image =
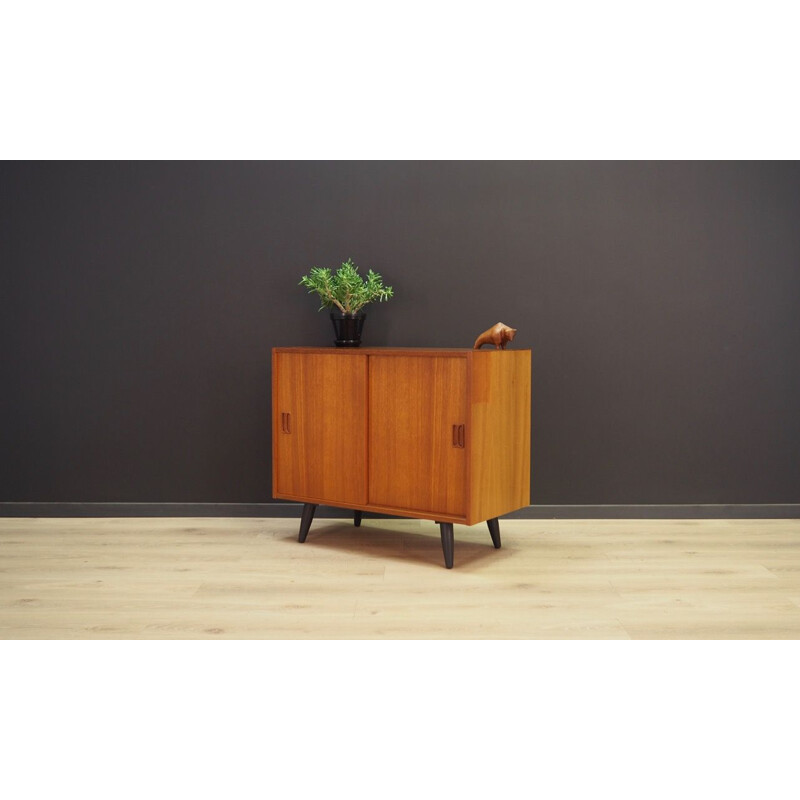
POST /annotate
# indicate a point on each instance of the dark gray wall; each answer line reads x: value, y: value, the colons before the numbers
x: 661, y: 300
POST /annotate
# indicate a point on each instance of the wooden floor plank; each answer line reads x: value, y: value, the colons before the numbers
x: 134, y: 578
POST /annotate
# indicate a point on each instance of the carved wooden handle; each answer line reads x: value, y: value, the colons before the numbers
x: 286, y: 422
x: 458, y: 435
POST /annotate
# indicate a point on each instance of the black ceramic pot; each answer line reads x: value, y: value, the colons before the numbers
x: 348, y: 328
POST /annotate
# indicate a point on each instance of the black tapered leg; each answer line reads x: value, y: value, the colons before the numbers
x: 494, y: 530
x: 305, y: 520
x: 447, y: 543
x: 357, y: 518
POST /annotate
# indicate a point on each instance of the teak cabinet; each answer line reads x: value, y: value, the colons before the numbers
x: 430, y: 433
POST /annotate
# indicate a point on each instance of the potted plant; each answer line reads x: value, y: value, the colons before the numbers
x: 346, y: 293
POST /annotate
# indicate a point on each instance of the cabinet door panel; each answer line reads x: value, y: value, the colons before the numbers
x: 321, y: 446
x: 417, y: 449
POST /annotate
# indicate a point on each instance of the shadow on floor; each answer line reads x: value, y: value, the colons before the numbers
x: 388, y: 539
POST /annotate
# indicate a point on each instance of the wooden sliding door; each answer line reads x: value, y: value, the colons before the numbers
x: 417, y: 432
x: 320, y: 427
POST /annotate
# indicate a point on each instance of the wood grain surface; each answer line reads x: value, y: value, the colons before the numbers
x: 414, y: 461
x: 448, y: 430
x: 500, y: 421
x: 319, y: 451
x: 250, y: 579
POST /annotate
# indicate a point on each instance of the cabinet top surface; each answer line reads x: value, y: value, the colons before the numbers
x: 403, y: 351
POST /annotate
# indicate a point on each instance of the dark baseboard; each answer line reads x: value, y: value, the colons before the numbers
x: 673, y: 511
x: 738, y: 511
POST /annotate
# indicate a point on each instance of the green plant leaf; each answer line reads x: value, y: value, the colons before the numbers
x: 345, y: 289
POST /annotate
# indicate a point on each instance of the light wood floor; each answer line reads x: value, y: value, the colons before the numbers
x: 251, y: 579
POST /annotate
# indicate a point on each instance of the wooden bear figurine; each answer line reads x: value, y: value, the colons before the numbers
x: 498, y: 335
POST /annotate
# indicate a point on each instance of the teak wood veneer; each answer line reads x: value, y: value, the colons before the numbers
x: 438, y: 434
